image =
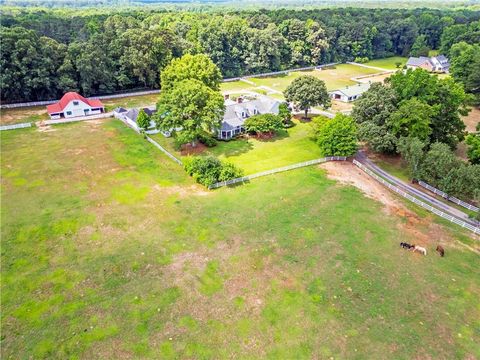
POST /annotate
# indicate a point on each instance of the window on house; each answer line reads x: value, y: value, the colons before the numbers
x: 255, y: 111
x: 75, y: 103
x: 69, y: 113
x: 244, y: 114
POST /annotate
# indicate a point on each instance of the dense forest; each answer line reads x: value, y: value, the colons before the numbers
x: 47, y: 52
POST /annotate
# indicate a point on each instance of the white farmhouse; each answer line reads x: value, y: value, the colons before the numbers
x: 236, y: 112
x: 73, y: 105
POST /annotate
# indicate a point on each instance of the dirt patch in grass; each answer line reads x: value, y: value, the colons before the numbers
x: 347, y: 173
x: 188, y: 149
x: 472, y: 119
x: 183, y: 191
x: 302, y: 118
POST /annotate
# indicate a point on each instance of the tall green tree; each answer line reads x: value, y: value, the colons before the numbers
x: 473, y: 146
x: 376, y: 105
x: 413, y: 118
x: 337, y: 136
x: 143, y: 120
x: 420, y: 46
x: 465, y: 67
x: 307, y: 91
x: 198, y: 67
x: 437, y: 164
x: 445, y: 95
x: 192, y: 106
x: 411, y: 149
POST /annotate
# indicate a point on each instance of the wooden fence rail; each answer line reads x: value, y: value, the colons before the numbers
x: 15, y: 126
x: 430, y: 208
x: 448, y: 197
x: 277, y: 170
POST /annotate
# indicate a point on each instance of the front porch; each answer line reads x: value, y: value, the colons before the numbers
x: 230, y: 134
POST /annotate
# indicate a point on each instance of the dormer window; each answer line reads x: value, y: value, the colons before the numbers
x: 75, y: 103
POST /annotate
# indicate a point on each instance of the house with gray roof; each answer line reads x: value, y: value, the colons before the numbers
x: 349, y: 93
x: 433, y: 64
x: 130, y: 116
x: 236, y: 112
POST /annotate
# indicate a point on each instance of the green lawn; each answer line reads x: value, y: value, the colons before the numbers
x: 388, y: 63
x: 334, y: 78
x: 110, y: 251
x: 234, y: 86
x: 288, y: 147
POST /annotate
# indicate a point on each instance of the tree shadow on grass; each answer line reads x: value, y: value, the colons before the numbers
x: 279, y: 135
x: 234, y: 147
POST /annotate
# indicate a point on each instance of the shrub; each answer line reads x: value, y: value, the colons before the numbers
x: 207, y: 139
x: 229, y: 171
x: 286, y: 115
x: 361, y: 60
x: 209, y: 170
x: 337, y: 136
x: 264, y: 123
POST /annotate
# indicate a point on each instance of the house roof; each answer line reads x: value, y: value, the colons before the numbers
x: 233, y: 110
x: 69, y: 96
x: 353, y: 90
x: 417, y: 61
x: 132, y: 114
x: 120, y: 110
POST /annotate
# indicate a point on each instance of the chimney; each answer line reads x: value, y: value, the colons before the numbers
x: 239, y: 100
x: 226, y: 97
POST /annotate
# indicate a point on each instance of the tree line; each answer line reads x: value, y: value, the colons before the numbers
x: 46, y: 52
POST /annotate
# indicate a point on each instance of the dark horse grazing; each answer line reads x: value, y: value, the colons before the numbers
x: 440, y: 250
x: 406, y: 245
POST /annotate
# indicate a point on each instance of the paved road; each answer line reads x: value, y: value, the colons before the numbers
x: 362, y: 158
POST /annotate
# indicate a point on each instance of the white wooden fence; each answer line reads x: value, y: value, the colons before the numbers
x: 48, y: 102
x: 450, y: 218
x: 162, y: 149
x: 277, y: 170
x: 15, y: 126
x: 448, y: 197
x: 75, y: 119
x: 273, y: 73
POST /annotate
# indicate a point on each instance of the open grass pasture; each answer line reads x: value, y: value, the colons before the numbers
x: 110, y: 251
x: 334, y: 78
x: 388, y: 63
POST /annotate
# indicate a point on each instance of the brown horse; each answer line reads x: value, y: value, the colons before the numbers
x: 440, y: 250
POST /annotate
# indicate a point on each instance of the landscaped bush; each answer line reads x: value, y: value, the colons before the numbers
x: 209, y: 170
x: 264, y: 124
x: 337, y: 136
x: 361, y: 60
x: 207, y: 139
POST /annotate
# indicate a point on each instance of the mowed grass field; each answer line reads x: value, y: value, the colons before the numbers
x: 388, y: 63
x: 334, y: 78
x: 288, y: 147
x: 110, y: 251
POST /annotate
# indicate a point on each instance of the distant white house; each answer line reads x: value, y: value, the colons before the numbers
x: 73, y: 105
x: 433, y: 64
x: 236, y: 112
x: 349, y: 93
x: 130, y: 117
